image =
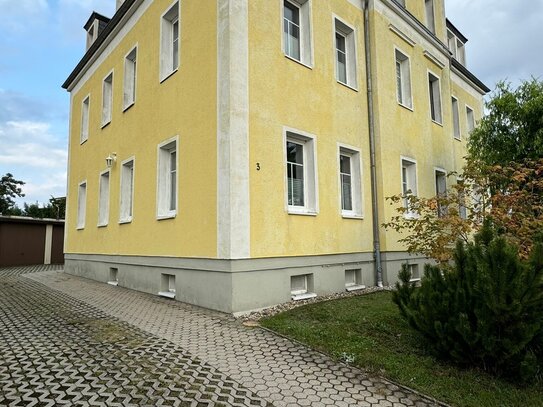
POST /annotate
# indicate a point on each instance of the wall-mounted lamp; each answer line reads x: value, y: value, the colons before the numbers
x: 110, y: 160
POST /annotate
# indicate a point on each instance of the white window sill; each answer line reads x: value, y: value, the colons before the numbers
x: 354, y: 287
x: 125, y: 108
x: 351, y: 215
x: 305, y: 296
x: 414, y: 280
x: 83, y: 141
x: 457, y: 138
x: 114, y: 283
x: 167, y: 294
x: 167, y: 216
x: 298, y: 61
x: 438, y: 123
x: 80, y: 227
x: 106, y: 123
x: 347, y: 85
x: 166, y: 76
x: 293, y: 210
x: 124, y: 221
x: 102, y: 225
x: 406, y: 107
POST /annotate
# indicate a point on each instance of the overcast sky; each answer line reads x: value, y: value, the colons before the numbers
x: 41, y: 41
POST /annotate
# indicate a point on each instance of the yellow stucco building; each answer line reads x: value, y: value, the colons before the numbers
x: 235, y: 154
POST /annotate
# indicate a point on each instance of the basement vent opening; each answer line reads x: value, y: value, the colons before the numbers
x: 167, y: 286
x: 113, y: 276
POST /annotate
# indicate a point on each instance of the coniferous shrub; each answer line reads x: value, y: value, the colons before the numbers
x: 483, y: 310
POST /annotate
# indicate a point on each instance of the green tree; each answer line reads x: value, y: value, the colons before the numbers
x: 512, y: 129
x: 10, y: 188
x: 484, y: 310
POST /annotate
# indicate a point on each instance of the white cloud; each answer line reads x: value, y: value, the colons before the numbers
x: 23, y: 15
x: 34, y: 154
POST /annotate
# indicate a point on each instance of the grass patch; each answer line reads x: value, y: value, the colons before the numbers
x: 368, y: 332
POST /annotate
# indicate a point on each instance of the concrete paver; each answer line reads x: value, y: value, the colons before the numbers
x: 263, y: 367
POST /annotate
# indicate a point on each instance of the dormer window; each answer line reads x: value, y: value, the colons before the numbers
x: 456, y: 46
x: 94, y: 26
x: 91, y: 34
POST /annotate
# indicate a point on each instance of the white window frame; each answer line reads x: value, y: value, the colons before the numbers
x: 169, y: 64
x: 85, y: 114
x: 403, y: 82
x: 103, y: 198
x: 81, y: 204
x: 430, y: 15
x: 107, y: 98
x: 130, y: 78
x: 311, y: 193
x: 126, y: 192
x: 415, y: 272
x: 164, y: 176
x: 434, y: 97
x: 349, y: 34
x: 440, y: 175
x: 470, y: 119
x: 456, y: 117
x: 411, y: 182
x: 306, y: 34
x: 357, y: 200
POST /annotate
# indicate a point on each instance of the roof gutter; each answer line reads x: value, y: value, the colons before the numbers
x: 373, y: 166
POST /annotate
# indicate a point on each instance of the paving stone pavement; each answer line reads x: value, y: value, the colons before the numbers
x: 262, y: 366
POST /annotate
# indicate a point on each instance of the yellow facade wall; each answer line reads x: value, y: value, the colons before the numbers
x: 183, y: 105
x: 284, y: 92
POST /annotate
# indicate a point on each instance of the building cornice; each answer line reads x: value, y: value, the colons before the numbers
x: 464, y: 73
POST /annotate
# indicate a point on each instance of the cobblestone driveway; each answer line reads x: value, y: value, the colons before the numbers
x: 70, y: 341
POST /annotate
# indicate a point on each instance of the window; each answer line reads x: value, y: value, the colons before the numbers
x: 169, y: 42
x: 470, y: 119
x: 352, y: 280
x: 301, y: 287
x: 435, y: 98
x: 462, y: 209
x: 456, y: 118
x: 85, y: 107
x: 167, y: 179
x: 113, y: 276
x: 441, y: 190
x: 456, y: 47
x: 414, y: 271
x: 301, y: 173
x: 107, y: 99
x: 403, y: 80
x: 81, y: 205
x: 167, y: 284
x: 296, y: 30
x: 350, y: 182
x: 129, y: 93
x: 345, y: 54
x: 430, y: 20
x: 409, y: 182
x: 127, y: 191
x: 103, y: 202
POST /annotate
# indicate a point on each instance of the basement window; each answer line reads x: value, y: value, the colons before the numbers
x: 414, y: 270
x: 113, y: 276
x: 353, y: 278
x: 167, y: 286
x: 301, y: 287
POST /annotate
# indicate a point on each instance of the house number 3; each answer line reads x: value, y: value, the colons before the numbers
x: 258, y: 166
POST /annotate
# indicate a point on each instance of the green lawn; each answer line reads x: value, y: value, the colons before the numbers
x: 370, y: 329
